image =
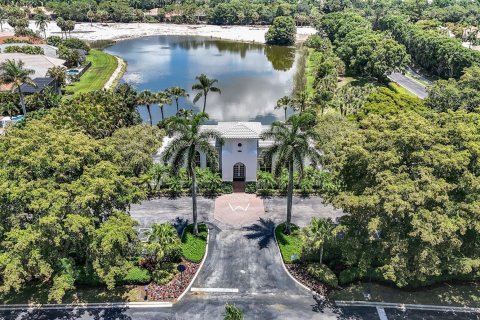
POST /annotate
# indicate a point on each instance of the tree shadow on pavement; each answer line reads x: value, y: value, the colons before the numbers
x: 113, y: 313
x: 262, y: 232
x: 179, y: 224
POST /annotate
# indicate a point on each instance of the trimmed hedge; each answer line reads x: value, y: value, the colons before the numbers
x: 323, y: 274
x: 24, y: 49
x: 193, y: 248
x: 250, y: 187
x: 289, y: 244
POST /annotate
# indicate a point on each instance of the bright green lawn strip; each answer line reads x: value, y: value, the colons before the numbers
x: 103, y: 66
x: 399, y: 89
x: 193, y: 248
x: 289, y: 244
x: 310, y: 73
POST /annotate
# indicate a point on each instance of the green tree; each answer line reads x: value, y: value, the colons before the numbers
x: 176, y: 93
x: 163, y: 98
x: 61, y: 23
x: 204, y: 85
x: 285, y: 103
x: 112, y: 244
x: 410, y: 188
x: 292, y: 147
x: 147, y: 98
x: 41, y: 21
x: 188, y: 139
x: 318, y: 232
x: 281, y: 32
x: 12, y: 72
x: 57, y: 73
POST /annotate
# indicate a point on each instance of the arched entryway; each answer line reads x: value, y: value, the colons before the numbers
x: 238, y: 172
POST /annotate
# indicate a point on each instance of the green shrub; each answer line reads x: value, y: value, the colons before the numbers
x: 193, y: 248
x: 232, y: 312
x: 250, y: 187
x: 208, y: 182
x: 323, y: 274
x: 281, y: 32
x: 13, y: 40
x: 87, y: 276
x: 54, y: 41
x: 290, y: 244
x: 24, y: 49
x: 349, y: 275
x: 137, y: 275
x: 75, y: 43
x: 165, y: 273
x: 227, y: 187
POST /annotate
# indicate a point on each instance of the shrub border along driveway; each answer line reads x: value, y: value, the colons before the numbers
x: 201, y: 263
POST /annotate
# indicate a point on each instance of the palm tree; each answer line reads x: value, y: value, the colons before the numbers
x: 177, y: 92
x: 162, y: 238
x: 57, y: 73
x: 62, y: 25
x: 162, y: 99
x: 41, y: 21
x: 316, y: 233
x: 147, y: 98
x: 291, y: 148
x: 284, y: 103
x: 205, y: 85
x: 301, y: 100
x: 188, y: 139
x: 3, y: 17
x: 14, y: 73
x: 91, y: 16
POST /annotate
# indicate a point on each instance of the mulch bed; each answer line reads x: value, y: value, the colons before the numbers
x: 299, y: 272
x: 175, y: 287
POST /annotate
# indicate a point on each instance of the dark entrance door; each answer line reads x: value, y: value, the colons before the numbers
x: 238, y: 172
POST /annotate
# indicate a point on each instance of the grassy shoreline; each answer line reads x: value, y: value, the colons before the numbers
x: 95, y: 78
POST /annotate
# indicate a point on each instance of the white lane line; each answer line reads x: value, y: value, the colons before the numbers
x: 222, y: 290
x: 381, y: 313
x: 129, y: 305
x: 402, y: 306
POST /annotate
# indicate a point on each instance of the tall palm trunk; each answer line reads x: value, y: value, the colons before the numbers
x: 194, y: 199
x: 204, y: 101
x: 149, y: 114
x: 22, y: 101
x: 321, y: 254
x: 285, y: 109
x: 161, y: 110
x: 176, y: 101
x: 289, y: 197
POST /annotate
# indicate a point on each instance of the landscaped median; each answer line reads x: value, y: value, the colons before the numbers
x: 317, y: 278
x: 193, y: 250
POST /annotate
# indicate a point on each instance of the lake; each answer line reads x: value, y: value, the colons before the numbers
x: 252, y: 77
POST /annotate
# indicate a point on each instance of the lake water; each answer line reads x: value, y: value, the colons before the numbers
x: 252, y: 77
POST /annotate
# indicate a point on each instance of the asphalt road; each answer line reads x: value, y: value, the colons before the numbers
x: 411, y: 85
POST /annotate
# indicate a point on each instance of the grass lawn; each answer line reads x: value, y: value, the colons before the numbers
x: 103, y: 66
x: 193, y: 248
x: 466, y: 294
x: 37, y: 293
x: 398, y: 89
x: 289, y: 244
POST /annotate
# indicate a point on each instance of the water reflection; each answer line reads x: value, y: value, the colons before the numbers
x: 252, y: 77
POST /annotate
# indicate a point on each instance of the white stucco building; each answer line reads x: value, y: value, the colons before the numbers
x: 240, y: 155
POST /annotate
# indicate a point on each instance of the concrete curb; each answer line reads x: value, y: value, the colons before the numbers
x: 199, y: 268
x: 285, y: 267
x: 406, y: 306
x: 129, y: 305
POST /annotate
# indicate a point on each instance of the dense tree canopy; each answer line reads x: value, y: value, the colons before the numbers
x: 365, y: 52
x: 411, y: 187
x: 436, y: 53
x: 65, y: 191
x: 281, y: 32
